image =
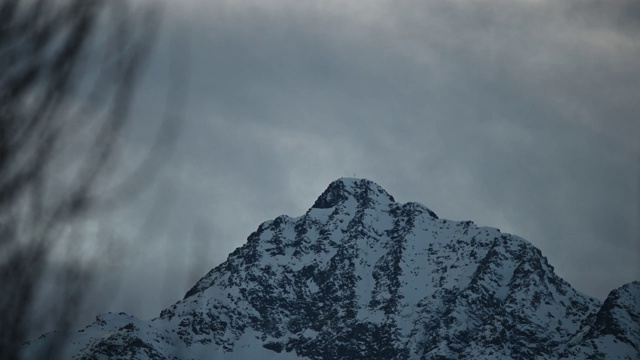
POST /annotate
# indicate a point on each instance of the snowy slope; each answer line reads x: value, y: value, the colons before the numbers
x: 614, y: 332
x: 360, y: 276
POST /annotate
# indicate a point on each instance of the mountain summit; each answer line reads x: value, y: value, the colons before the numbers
x: 360, y: 276
x: 343, y: 189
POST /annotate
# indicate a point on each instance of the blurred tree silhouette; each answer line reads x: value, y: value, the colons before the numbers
x: 67, y: 79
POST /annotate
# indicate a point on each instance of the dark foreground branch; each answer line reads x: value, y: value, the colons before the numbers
x: 69, y: 71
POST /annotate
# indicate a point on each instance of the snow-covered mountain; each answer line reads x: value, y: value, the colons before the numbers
x: 360, y: 276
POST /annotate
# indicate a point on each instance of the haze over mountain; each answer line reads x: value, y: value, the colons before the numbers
x: 520, y: 115
x: 360, y: 276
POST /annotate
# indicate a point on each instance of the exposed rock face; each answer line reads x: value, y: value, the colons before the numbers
x: 614, y: 331
x: 360, y: 276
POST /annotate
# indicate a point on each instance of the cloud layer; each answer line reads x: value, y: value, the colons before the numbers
x: 519, y: 115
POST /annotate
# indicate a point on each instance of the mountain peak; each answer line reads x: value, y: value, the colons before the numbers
x: 362, y: 190
x: 360, y: 276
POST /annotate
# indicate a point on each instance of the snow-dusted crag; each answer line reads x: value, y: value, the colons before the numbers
x: 360, y: 276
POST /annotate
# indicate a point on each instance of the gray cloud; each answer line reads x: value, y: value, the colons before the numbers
x: 519, y: 115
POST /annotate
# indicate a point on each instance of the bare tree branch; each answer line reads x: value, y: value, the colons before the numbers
x: 70, y: 68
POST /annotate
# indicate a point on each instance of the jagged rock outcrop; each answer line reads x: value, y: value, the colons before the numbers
x: 614, y: 331
x: 360, y: 276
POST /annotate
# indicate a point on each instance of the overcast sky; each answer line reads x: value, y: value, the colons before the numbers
x: 521, y: 115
